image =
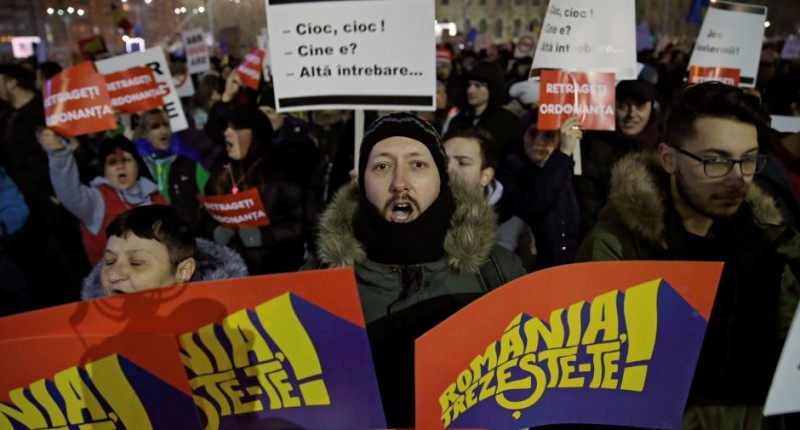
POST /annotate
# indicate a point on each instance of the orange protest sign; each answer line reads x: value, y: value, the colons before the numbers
x: 135, y: 90
x: 76, y: 102
x: 250, y: 69
x: 243, y: 209
x: 589, y: 95
x: 725, y: 75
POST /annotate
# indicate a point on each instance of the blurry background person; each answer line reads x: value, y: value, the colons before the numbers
x: 277, y: 247
x: 120, y: 188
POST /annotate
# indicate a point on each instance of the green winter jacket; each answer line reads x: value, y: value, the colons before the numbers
x: 401, y: 303
x: 758, y: 292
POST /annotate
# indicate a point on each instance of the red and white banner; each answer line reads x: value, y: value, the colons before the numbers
x: 135, y: 90
x: 250, y: 69
x: 589, y: 95
x: 728, y: 76
x: 76, y: 102
x: 243, y: 209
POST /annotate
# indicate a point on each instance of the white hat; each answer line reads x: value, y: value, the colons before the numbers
x: 527, y: 92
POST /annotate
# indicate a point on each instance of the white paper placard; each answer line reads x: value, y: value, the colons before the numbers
x: 782, y: 397
x: 197, y: 58
x: 367, y: 54
x: 589, y: 35
x: 731, y: 37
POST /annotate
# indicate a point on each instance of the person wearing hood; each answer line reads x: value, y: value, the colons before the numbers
x: 636, y: 131
x: 277, y: 247
x: 176, y: 167
x: 154, y: 247
x: 121, y: 187
x: 422, y: 247
x: 485, y: 94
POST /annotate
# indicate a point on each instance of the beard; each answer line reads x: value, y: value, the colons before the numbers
x: 718, y: 205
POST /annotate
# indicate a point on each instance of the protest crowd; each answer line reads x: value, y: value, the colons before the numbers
x: 456, y: 201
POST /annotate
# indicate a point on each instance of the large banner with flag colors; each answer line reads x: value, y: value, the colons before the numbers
x: 611, y: 343
x: 279, y: 351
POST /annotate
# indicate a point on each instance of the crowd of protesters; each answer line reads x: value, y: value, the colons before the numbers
x: 58, y: 195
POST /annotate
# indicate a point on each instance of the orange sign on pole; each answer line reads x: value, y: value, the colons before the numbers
x: 589, y: 95
x: 76, y: 102
x: 250, y: 69
x: 725, y: 75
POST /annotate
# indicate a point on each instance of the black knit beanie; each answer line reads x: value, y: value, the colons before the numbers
x: 404, y: 125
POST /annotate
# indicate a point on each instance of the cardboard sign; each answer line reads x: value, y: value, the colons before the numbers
x: 590, y: 96
x: 526, y: 45
x: 602, y: 351
x: 731, y: 37
x: 727, y: 76
x: 791, y: 48
x: 577, y: 36
x: 782, y: 397
x: 135, y: 90
x: 370, y: 54
x: 197, y: 58
x: 260, y: 352
x: 243, y: 209
x: 76, y: 102
x: 91, y: 47
x: 250, y: 68
x: 157, y: 62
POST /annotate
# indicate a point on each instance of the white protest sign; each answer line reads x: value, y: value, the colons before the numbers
x: 782, y: 397
x: 263, y: 44
x: 577, y: 35
x: 369, y: 54
x: 156, y: 61
x: 731, y: 37
x: 786, y: 124
x: 791, y: 49
x: 194, y: 42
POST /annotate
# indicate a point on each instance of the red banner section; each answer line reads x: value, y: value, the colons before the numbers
x: 602, y: 351
x: 282, y: 351
x: 698, y: 75
x: 250, y: 69
x: 589, y: 95
x: 243, y: 209
x: 135, y: 90
x: 76, y: 102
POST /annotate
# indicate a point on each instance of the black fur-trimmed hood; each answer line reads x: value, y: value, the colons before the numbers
x: 213, y: 262
x: 467, y: 244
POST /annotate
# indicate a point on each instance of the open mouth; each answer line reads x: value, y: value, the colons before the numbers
x: 402, y: 212
x: 122, y: 178
x: 116, y: 292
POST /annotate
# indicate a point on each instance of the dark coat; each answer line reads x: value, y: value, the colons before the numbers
x: 757, y: 295
x: 543, y: 197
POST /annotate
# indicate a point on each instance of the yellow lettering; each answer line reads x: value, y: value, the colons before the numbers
x: 192, y: 357
x: 552, y: 356
x: 459, y: 407
x: 245, y: 338
x: 447, y: 397
x: 503, y: 374
x: 260, y: 371
x: 603, y: 317
x: 610, y: 368
x: 26, y: 413
x: 209, y: 338
x: 641, y: 320
x: 486, y: 390
x: 553, y: 335
x: 210, y: 383
x: 470, y: 395
x: 567, y: 369
x: 511, y: 345
x: 464, y: 380
x: 280, y: 380
x: 117, y: 391
x: 77, y: 396
x: 488, y: 361
x: 597, y: 351
x: 208, y: 409
x: 40, y: 393
x: 528, y: 364
x: 279, y: 319
x: 575, y: 323
x: 231, y: 388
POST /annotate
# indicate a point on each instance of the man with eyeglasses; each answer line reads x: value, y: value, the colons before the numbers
x: 696, y: 201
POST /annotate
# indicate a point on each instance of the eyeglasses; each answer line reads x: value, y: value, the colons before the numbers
x: 715, y: 167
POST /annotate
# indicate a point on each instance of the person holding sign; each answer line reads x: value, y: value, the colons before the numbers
x: 120, y: 188
x: 697, y: 201
x: 153, y: 247
x: 636, y: 130
x: 269, y: 238
x: 538, y: 182
x: 422, y: 247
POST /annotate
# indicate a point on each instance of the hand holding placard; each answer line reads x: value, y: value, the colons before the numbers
x: 50, y: 141
x: 570, y: 133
